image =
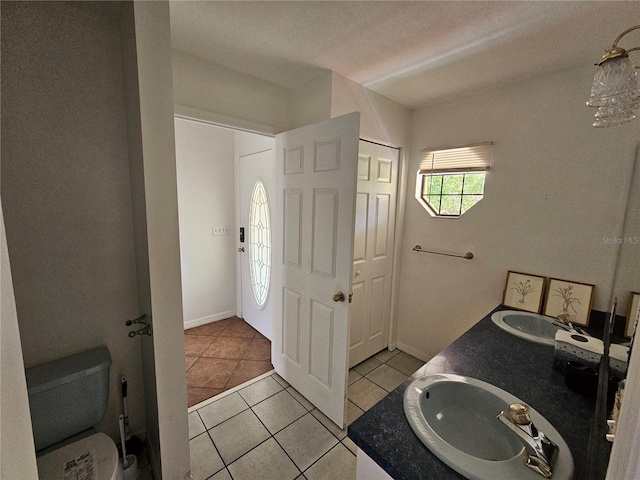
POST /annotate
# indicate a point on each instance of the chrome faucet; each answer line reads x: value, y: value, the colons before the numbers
x: 542, y: 452
x: 563, y: 322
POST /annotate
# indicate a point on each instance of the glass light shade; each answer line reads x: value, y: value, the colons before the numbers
x: 615, y: 82
x: 615, y: 92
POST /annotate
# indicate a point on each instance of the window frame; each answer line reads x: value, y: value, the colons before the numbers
x: 448, y: 162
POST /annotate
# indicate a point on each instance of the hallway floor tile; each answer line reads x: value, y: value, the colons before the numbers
x: 267, y: 429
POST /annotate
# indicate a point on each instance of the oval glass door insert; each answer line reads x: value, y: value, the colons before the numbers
x: 259, y: 244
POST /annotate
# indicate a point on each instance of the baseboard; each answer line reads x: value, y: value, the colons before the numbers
x: 413, y: 352
x: 208, y: 319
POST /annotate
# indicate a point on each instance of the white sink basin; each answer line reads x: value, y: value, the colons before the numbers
x: 530, y: 326
x: 456, y: 418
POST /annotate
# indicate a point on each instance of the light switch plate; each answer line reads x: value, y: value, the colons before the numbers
x: 221, y: 230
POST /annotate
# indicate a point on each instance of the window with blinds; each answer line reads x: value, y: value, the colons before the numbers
x: 451, y: 180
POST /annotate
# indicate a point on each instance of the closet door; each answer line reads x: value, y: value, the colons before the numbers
x: 373, y: 250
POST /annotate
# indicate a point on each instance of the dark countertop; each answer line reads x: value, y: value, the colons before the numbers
x: 488, y: 353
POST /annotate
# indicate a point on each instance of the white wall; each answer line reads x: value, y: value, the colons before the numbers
x: 381, y: 119
x: 17, y: 451
x: 233, y: 96
x: 66, y: 191
x: 163, y: 353
x: 311, y: 102
x: 556, y: 187
x: 206, y: 198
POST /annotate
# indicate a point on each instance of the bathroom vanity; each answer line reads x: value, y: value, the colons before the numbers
x: 387, y: 444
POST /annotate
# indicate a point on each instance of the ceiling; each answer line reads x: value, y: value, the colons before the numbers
x: 416, y: 53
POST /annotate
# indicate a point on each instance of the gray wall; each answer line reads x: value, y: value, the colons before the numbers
x: 66, y: 189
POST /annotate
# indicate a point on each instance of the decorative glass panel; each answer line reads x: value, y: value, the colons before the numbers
x: 259, y: 244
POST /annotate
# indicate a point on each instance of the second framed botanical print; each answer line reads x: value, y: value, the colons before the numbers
x: 569, y: 298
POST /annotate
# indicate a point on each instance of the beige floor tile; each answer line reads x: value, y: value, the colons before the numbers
x: 353, y: 376
x: 221, y: 410
x: 196, y: 427
x: 365, y: 394
x: 299, y: 397
x: 386, y: 355
x: 205, y: 460
x: 405, y: 363
x: 260, y: 390
x: 353, y: 448
x: 353, y: 412
x: 368, y: 365
x: 278, y: 411
x: 339, y: 433
x: 386, y: 377
x: 238, y: 435
x: 221, y: 475
x: 280, y: 380
x: 305, y: 441
x: 266, y: 462
x: 338, y: 464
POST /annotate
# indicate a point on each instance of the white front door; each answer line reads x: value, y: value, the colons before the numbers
x: 313, y: 227
x: 256, y: 252
x: 373, y: 250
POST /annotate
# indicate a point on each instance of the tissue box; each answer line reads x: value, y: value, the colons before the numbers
x: 573, y: 347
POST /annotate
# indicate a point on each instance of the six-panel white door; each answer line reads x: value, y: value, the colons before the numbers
x: 313, y: 230
x: 373, y: 250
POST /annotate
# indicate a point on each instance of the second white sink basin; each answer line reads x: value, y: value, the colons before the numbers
x: 530, y: 326
x: 456, y: 418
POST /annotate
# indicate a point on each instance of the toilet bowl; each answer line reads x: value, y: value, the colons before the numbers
x: 67, y: 397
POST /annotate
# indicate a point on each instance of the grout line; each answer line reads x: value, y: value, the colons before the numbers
x: 324, y: 455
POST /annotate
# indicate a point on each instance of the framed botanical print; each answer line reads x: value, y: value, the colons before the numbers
x: 523, y: 291
x: 634, y: 314
x: 569, y: 298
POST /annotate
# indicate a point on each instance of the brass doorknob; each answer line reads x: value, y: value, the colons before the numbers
x: 338, y: 297
x: 241, y: 249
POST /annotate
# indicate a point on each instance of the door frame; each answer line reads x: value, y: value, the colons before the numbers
x: 238, y: 124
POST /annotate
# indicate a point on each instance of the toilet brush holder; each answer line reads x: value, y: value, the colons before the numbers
x: 130, y: 470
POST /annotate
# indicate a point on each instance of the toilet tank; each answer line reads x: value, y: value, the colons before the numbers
x: 68, y: 396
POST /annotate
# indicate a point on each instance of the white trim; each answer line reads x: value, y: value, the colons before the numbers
x: 236, y: 173
x: 208, y: 319
x: 224, y: 121
x: 401, y: 202
x: 413, y: 352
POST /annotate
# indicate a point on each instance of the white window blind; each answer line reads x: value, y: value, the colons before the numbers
x: 467, y: 158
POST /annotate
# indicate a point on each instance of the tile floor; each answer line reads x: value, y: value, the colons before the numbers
x: 265, y: 429
x: 221, y: 355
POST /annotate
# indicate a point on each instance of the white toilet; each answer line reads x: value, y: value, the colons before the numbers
x: 67, y: 398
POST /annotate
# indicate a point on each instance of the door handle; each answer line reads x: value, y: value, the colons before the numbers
x: 241, y: 249
x: 338, y: 297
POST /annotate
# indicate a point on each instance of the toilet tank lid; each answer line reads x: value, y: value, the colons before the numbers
x: 58, y: 372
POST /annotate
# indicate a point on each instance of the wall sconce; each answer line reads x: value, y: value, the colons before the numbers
x: 614, y: 91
